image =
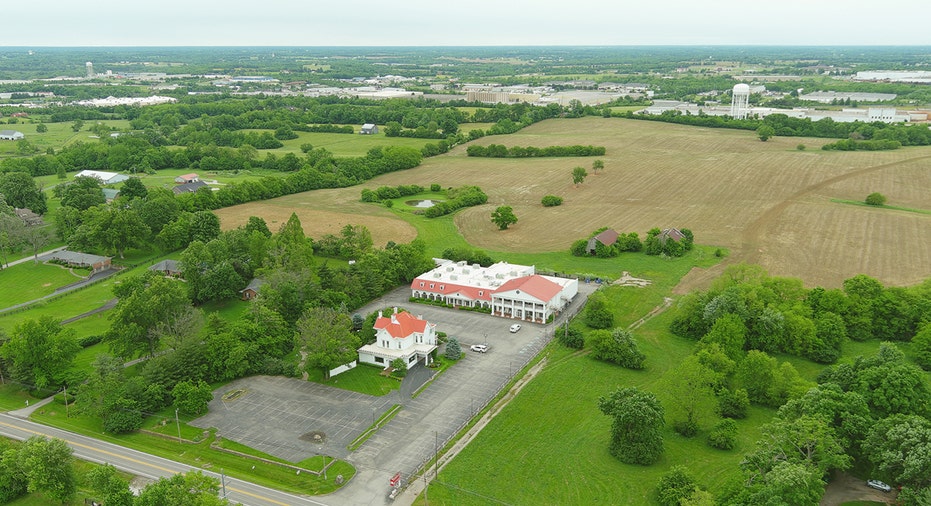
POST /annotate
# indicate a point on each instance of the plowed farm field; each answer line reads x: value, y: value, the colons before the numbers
x: 766, y: 202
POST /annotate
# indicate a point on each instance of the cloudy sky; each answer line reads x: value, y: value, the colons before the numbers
x: 463, y: 23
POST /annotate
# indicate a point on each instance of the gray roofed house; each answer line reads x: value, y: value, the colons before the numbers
x: 97, y: 263
x: 167, y: 267
x: 191, y: 187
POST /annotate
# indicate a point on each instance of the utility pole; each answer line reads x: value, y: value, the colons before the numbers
x: 178, y: 423
x: 67, y: 415
x: 223, y: 482
x: 436, y: 459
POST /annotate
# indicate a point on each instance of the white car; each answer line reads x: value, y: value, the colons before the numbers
x: 515, y: 328
x: 481, y: 348
x: 878, y: 485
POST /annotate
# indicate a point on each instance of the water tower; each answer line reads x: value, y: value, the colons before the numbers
x: 90, y: 70
x: 740, y: 101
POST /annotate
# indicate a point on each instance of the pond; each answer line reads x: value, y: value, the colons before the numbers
x: 422, y: 204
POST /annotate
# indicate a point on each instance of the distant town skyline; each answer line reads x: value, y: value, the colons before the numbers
x: 475, y: 23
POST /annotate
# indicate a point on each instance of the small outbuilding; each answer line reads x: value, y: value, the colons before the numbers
x: 607, y: 237
x: 369, y: 129
x: 30, y: 219
x: 251, y: 291
x: 11, y: 135
x: 187, y: 178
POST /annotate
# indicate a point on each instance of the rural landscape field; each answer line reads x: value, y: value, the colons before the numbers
x: 742, y: 316
x: 766, y: 202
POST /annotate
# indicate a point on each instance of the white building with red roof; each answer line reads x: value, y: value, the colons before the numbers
x: 400, y: 335
x: 507, y: 290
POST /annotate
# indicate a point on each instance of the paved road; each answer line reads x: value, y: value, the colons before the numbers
x: 150, y: 466
x: 40, y: 255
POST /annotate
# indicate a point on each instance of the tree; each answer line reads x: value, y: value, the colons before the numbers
x: 503, y: 217
x: 11, y: 235
x: 578, y: 175
x: 40, y: 352
x: 453, y: 349
x: 921, y: 345
x: 875, y: 199
x: 597, y: 313
x: 113, y: 228
x: 41, y: 128
x: 636, y: 428
x: 133, y: 189
x: 77, y: 125
x: 47, y: 464
x: 691, y: 394
x: 13, y: 482
x: 765, y: 132
x: 724, y: 435
x: 674, y: 486
x: 20, y: 190
x: 82, y: 193
x: 204, y: 226
x: 113, y: 490
x: 144, y: 302
x: 570, y: 337
x: 598, y: 165
x: 618, y: 347
x: 191, y: 398
x: 327, y: 336
x: 190, y: 489
x: 257, y: 224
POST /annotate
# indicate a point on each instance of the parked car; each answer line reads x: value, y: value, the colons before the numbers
x: 481, y: 348
x: 878, y: 485
x: 515, y: 328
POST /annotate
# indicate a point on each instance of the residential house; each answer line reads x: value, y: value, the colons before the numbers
x: 30, y: 219
x: 76, y: 259
x: 171, y: 268
x: 188, y: 187
x: 400, y: 336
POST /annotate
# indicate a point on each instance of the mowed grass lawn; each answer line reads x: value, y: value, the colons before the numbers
x: 550, y: 444
x: 28, y: 281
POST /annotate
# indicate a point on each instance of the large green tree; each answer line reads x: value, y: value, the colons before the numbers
x: 144, y: 302
x: 40, y: 352
x: 578, y: 175
x: 20, y: 190
x: 503, y: 217
x: 326, y: 335
x: 636, y: 427
x: 47, y: 464
x: 617, y: 346
x: 82, y: 193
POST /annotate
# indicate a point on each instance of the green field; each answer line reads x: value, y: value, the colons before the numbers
x: 33, y: 281
x: 58, y: 135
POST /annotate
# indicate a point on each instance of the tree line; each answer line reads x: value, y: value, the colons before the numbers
x: 500, y: 151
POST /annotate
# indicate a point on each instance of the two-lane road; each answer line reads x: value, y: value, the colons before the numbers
x: 150, y: 466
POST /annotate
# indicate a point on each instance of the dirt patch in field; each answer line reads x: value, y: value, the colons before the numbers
x: 318, y: 222
x: 844, y: 488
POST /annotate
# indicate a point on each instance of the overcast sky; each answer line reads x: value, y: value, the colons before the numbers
x: 463, y: 23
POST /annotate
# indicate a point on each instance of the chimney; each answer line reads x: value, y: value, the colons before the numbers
x: 395, y: 310
x: 379, y: 314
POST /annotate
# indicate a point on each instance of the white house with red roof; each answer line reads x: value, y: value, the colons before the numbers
x: 508, y: 290
x: 400, y: 335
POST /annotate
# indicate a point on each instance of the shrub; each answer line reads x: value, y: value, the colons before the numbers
x: 617, y: 346
x: 400, y: 368
x: 453, y: 350
x: 570, y: 337
x: 800, y: 147
x: 551, y: 201
x: 675, y: 486
x: 686, y: 428
x: 876, y: 199
x: 734, y: 404
x: 597, y: 314
x: 724, y: 435
x: 435, y: 187
x: 122, y: 416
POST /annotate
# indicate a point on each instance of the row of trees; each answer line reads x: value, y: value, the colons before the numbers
x: 501, y: 151
x: 748, y: 310
x: 46, y: 466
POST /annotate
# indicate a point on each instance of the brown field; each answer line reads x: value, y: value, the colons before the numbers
x: 766, y: 202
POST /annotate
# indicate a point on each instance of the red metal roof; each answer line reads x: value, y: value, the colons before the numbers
x: 536, y: 285
x: 402, y: 325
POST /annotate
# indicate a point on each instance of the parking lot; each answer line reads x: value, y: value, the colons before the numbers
x: 277, y: 414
